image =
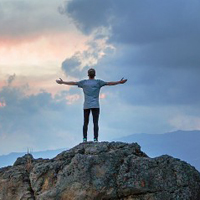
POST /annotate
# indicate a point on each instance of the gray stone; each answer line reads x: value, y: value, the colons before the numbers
x: 101, y: 170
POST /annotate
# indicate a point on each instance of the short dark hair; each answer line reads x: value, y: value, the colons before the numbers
x: 91, y: 73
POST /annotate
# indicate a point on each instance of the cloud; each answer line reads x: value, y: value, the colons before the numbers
x: 11, y: 79
x: 185, y: 122
x: 71, y: 66
x: 144, y: 22
x: 22, y: 18
x: 2, y: 104
x: 41, y: 118
x: 157, y: 45
x: 80, y: 62
x: 88, y: 15
x: 72, y: 98
x: 158, y: 32
x: 136, y: 21
x: 151, y: 85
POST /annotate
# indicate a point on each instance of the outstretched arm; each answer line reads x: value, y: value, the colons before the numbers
x: 122, y: 81
x: 60, y: 81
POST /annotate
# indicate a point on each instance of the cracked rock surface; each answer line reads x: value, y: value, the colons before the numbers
x: 104, y: 170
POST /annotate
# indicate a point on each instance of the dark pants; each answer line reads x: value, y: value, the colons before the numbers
x: 95, y: 114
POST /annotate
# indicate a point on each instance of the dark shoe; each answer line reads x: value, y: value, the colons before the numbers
x: 95, y: 140
x: 84, y: 140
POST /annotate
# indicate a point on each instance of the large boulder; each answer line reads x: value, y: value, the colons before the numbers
x: 101, y: 170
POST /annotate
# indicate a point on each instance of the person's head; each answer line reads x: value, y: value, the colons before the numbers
x: 91, y: 73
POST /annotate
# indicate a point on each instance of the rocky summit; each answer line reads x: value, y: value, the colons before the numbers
x: 104, y: 170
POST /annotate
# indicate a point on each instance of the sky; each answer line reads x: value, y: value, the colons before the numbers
x: 154, y: 44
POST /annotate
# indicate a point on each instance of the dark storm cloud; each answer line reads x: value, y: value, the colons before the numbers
x: 149, y: 84
x: 89, y: 15
x: 71, y: 65
x: 162, y: 31
x: 142, y: 22
x: 157, y: 47
x: 137, y: 21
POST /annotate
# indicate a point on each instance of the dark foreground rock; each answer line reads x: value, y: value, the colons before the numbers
x: 100, y: 171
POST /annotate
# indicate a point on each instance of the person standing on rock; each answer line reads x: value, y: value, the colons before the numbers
x: 91, y: 88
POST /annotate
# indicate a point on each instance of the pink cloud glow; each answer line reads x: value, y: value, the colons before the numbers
x: 2, y: 104
x: 37, y: 60
x: 41, y: 48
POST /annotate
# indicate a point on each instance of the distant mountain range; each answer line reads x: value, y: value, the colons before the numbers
x: 184, y: 145
x: 6, y: 160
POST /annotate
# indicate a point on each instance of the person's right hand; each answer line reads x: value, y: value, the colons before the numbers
x: 59, y: 81
x: 123, y: 80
